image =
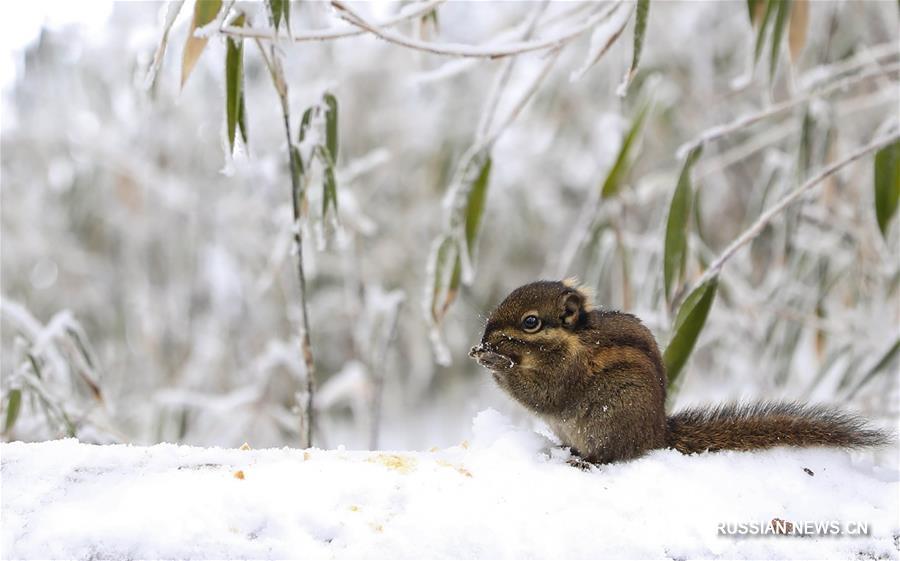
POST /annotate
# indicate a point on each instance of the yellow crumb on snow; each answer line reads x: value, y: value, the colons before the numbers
x: 239, y: 474
x: 460, y: 469
x: 433, y: 449
x: 377, y: 527
x: 306, y: 456
x: 464, y: 444
x: 403, y: 464
x: 244, y: 446
x: 354, y: 508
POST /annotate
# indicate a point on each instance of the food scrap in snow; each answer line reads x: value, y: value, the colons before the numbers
x: 403, y: 464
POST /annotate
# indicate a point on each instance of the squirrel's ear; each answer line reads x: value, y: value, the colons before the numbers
x: 571, y: 303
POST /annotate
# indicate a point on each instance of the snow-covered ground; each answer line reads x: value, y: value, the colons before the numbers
x: 505, y: 494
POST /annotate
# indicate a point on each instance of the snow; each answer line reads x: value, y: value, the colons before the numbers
x: 508, y: 494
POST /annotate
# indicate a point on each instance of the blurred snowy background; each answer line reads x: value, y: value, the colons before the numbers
x: 148, y: 286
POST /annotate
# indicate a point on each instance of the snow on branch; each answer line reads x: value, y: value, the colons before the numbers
x: 477, y: 51
x: 410, y: 12
x: 750, y: 233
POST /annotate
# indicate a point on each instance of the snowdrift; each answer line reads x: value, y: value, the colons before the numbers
x: 508, y: 494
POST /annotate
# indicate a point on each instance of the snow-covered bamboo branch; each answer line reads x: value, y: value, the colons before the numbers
x: 750, y: 233
x: 411, y: 12
x: 462, y: 50
x: 718, y: 131
x: 306, y: 406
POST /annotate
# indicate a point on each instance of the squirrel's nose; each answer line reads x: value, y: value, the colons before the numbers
x: 476, y: 350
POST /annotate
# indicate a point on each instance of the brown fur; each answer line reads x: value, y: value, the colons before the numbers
x: 598, y: 380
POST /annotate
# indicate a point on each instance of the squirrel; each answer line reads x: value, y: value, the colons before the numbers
x: 598, y: 380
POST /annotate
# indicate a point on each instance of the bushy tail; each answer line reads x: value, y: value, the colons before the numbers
x: 766, y: 425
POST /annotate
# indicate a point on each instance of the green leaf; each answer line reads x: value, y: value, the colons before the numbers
x: 688, y: 324
x: 331, y: 126
x: 807, y: 131
x: 305, y: 122
x: 697, y: 213
x: 297, y: 172
x: 242, y: 115
x: 205, y: 11
x: 675, y: 254
x: 276, y: 10
x: 751, y: 9
x: 13, y: 405
x: 475, y: 204
x: 286, y: 7
x: 623, y: 161
x: 329, y: 185
x: 640, y: 27
x: 234, y: 85
x: 783, y: 11
x: 761, y: 32
x: 887, y: 185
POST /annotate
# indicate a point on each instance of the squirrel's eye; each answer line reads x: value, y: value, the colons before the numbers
x: 531, y: 323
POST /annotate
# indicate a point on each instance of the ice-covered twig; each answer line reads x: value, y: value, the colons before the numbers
x: 496, y: 92
x: 750, y: 233
x: 604, y: 36
x: 463, y: 50
x: 526, y: 96
x: 409, y: 12
x: 719, y: 131
x: 519, y: 31
x: 172, y: 12
x: 273, y: 63
x: 821, y: 74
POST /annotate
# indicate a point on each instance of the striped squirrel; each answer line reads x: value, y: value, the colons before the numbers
x: 597, y: 378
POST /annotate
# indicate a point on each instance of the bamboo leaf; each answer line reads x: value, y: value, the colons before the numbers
x: 329, y: 185
x: 689, y: 323
x: 13, y: 405
x: 761, y: 32
x: 286, y: 7
x: 242, y: 117
x: 305, y: 122
x: 234, y: 82
x: 331, y: 126
x: 297, y: 173
x: 205, y: 11
x: 751, y: 10
x: 807, y: 130
x: 444, y: 290
x: 276, y: 11
x: 623, y: 160
x: 781, y: 17
x: 640, y: 28
x: 476, y: 203
x: 887, y: 185
x: 675, y: 254
x: 798, y: 27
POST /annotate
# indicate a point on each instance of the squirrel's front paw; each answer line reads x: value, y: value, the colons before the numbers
x: 581, y: 463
